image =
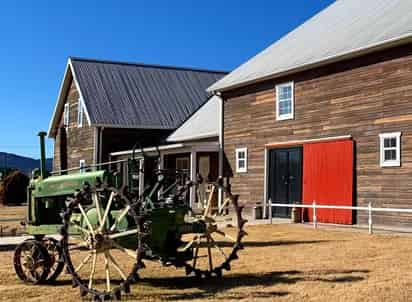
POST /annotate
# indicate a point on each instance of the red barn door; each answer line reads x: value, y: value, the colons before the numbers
x: 328, y: 179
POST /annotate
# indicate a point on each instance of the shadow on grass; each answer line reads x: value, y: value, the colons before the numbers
x: 7, y: 247
x: 282, y: 242
x: 208, y: 289
x: 189, y: 288
x: 270, y: 243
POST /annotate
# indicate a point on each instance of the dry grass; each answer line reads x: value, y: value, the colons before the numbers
x: 279, y: 263
x: 13, y: 212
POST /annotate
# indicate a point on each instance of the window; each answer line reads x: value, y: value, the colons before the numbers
x: 182, y: 163
x: 79, y: 113
x: 241, y: 160
x: 82, y: 165
x: 390, y: 149
x: 284, y: 101
x: 66, y: 117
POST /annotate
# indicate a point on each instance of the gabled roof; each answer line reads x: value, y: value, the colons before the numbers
x: 204, y: 123
x: 131, y: 95
x: 345, y: 29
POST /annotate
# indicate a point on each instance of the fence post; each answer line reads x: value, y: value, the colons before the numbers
x: 370, y: 218
x: 315, y: 223
x: 270, y: 211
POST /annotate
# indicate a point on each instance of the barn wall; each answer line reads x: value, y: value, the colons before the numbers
x: 80, y: 140
x: 360, y: 97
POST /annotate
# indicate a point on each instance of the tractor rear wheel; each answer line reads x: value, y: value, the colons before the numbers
x: 97, y: 247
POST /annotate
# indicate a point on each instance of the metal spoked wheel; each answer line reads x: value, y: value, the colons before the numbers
x: 214, y: 249
x: 102, y: 244
x: 56, y: 258
x: 31, y: 262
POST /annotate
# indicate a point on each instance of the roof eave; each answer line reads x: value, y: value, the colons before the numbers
x: 63, y: 86
x: 407, y: 38
x: 69, y: 75
x: 143, y: 127
x: 193, y: 138
x: 148, y: 149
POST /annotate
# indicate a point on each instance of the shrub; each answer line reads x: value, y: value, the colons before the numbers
x: 13, y: 189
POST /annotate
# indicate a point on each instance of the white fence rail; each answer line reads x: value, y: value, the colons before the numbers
x: 314, y: 206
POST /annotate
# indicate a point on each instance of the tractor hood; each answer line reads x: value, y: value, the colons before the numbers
x: 66, y: 184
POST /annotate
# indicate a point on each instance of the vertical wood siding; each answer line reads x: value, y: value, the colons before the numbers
x: 80, y: 140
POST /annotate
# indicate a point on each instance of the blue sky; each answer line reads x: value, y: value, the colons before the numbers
x: 38, y: 36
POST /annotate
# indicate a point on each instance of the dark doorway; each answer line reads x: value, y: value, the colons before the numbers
x: 63, y: 148
x: 285, y: 179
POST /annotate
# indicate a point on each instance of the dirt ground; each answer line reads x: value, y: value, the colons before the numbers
x: 279, y: 263
x: 12, y: 213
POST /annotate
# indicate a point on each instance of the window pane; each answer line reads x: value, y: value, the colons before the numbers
x: 390, y: 155
x: 182, y: 163
x: 285, y: 92
x: 241, y: 164
x: 285, y: 107
x: 389, y: 142
x: 241, y: 155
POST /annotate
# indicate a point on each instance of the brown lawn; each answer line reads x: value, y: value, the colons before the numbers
x: 10, y: 218
x: 279, y: 263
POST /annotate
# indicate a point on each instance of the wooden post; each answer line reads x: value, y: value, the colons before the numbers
x: 370, y: 218
x: 221, y: 151
x: 193, y: 168
x: 315, y: 222
x: 270, y: 211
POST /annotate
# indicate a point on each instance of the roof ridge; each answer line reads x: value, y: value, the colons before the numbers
x: 147, y: 65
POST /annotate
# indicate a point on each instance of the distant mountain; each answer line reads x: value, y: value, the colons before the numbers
x: 24, y: 164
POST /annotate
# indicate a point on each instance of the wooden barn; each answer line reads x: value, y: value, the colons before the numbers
x: 193, y: 149
x: 106, y: 106
x: 325, y: 114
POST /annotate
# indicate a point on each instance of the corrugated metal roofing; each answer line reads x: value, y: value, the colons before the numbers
x: 128, y: 95
x: 203, y: 123
x: 345, y: 27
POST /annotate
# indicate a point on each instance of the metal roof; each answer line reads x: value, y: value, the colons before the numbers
x: 345, y: 29
x: 204, y: 123
x: 132, y: 95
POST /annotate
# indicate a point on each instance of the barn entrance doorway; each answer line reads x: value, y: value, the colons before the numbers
x: 285, y: 179
x: 328, y: 178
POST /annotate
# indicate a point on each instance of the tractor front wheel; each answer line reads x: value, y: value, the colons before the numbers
x: 31, y: 261
x: 56, y: 258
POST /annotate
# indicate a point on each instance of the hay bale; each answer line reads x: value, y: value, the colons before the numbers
x: 13, y: 189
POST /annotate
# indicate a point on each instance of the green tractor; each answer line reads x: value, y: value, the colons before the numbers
x: 103, y: 231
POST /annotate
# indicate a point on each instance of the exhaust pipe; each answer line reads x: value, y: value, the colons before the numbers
x: 43, y: 171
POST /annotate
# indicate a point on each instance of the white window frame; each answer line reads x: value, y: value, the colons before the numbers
x: 290, y: 115
x: 66, y: 115
x: 238, y: 168
x: 397, y: 161
x: 80, y: 113
x: 82, y: 166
